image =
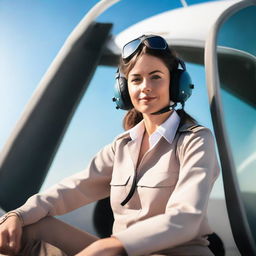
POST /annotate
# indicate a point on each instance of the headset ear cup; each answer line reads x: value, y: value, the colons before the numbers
x: 181, y: 86
x: 123, y: 85
x: 174, y: 86
x: 122, y: 97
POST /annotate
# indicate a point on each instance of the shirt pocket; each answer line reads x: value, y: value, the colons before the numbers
x: 155, y: 189
x: 158, y: 180
x: 120, y: 187
x: 120, y: 180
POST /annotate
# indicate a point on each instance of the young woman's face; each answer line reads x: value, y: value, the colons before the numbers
x: 148, y: 84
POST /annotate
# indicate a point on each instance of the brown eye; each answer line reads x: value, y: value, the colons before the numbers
x: 136, y: 80
x: 155, y: 77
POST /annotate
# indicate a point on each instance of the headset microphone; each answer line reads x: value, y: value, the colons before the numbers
x: 165, y: 109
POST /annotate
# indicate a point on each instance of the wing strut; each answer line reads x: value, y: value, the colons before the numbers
x: 28, y: 154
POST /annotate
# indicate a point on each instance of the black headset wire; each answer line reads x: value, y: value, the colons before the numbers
x: 131, y: 192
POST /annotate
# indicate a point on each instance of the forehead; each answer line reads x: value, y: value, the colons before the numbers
x: 147, y: 63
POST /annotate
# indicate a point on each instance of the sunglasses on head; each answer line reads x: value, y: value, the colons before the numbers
x: 152, y: 42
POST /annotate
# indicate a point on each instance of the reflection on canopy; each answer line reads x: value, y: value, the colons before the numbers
x: 237, y: 70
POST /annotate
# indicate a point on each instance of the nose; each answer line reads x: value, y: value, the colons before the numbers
x: 146, y: 86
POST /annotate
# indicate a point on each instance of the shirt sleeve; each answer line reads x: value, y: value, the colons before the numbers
x: 187, y: 205
x: 85, y: 187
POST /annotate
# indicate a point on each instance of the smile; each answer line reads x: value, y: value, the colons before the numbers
x: 147, y: 98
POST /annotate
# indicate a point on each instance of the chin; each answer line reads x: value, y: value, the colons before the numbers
x: 150, y: 109
x: 147, y: 111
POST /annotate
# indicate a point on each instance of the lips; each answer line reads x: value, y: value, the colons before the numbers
x: 147, y: 98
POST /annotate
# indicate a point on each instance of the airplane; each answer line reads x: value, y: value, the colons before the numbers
x: 220, y: 40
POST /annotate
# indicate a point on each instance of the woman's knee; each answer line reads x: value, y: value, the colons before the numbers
x: 36, y: 230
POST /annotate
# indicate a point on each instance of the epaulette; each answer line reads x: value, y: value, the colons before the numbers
x: 122, y: 135
x: 190, y: 128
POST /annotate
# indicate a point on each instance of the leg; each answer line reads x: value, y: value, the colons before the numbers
x: 57, y: 233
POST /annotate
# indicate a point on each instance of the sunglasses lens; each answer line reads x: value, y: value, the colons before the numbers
x: 157, y: 42
x: 153, y: 42
x: 130, y: 48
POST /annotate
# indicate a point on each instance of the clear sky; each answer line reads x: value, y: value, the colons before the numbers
x: 31, y: 34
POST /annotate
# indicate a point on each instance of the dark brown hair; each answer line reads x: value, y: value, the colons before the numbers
x: 169, y: 57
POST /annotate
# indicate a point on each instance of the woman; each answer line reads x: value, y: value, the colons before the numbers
x: 158, y: 174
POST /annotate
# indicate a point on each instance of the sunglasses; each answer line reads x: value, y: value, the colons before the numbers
x: 152, y: 42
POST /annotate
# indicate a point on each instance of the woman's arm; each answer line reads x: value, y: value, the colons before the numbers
x: 80, y: 189
x: 10, y: 234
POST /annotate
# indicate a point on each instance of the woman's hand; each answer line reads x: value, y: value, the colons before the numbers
x: 104, y: 247
x: 10, y: 235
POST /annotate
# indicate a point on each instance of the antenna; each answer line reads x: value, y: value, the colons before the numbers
x: 184, y: 3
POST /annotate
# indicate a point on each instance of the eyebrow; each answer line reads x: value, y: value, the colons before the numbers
x: 155, y: 71
x: 150, y: 73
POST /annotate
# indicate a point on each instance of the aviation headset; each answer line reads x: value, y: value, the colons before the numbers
x: 180, y: 87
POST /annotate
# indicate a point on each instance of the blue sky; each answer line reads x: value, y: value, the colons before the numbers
x: 31, y: 34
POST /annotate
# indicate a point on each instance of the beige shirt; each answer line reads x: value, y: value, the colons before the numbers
x: 168, y: 209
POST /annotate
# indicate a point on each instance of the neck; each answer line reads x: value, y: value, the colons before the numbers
x: 153, y: 121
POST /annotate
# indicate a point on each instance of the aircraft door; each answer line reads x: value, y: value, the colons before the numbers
x: 230, y: 58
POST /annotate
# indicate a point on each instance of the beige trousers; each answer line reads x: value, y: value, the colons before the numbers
x: 53, y: 237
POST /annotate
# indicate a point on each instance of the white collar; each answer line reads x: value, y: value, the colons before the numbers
x: 137, y: 131
x: 167, y: 130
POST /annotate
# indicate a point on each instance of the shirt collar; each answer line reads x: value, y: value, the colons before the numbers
x: 167, y: 130
x: 137, y: 131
